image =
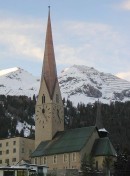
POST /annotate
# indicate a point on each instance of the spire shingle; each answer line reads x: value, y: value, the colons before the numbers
x: 49, y: 72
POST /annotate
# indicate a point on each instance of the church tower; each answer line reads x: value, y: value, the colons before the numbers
x: 49, y: 107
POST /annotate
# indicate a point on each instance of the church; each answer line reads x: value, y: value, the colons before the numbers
x: 54, y: 146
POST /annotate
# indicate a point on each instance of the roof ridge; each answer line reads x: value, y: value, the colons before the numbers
x: 88, y: 138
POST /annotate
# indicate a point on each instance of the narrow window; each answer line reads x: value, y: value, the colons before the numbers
x: 54, y: 159
x: 7, y: 161
x: 40, y: 160
x: 7, y: 144
x: 14, y: 142
x: 7, y: 151
x: 44, y: 160
x: 43, y: 98
x: 0, y: 152
x: 74, y: 156
x: 0, y: 161
x: 65, y: 158
x: 0, y: 145
x: 14, y: 150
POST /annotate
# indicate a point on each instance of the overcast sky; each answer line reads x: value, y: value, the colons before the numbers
x: 94, y: 33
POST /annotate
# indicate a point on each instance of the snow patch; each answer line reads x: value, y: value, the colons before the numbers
x: 26, y: 127
x: 6, y: 71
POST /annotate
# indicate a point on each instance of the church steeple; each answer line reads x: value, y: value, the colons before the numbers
x: 49, y: 107
x: 49, y: 72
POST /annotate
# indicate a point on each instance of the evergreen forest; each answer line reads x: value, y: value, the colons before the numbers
x: 115, y: 118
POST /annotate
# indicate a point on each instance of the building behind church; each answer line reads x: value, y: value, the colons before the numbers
x: 14, y: 149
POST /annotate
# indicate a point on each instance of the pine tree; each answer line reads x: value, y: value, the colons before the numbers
x: 87, y: 164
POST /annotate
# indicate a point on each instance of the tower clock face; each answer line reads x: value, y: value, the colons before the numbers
x: 46, y: 111
x: 43, y: 113
x: 58, y: 112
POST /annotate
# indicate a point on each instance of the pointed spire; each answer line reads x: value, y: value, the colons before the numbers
x: 49, y: 72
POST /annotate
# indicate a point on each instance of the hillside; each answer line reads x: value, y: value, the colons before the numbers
x: 17, y: 118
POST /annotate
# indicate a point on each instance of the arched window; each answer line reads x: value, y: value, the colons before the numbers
x: 43, y: 98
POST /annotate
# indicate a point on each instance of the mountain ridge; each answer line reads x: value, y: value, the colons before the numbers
x: 78, y: 83
x: 89, y: 85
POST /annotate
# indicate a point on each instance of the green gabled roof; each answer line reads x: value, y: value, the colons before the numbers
x: 64, y: 142
x: 103, y: 147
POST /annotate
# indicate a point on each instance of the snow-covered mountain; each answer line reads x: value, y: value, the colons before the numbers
x: 84, y: 84
x: 78, y: 83
x: 16, y: 81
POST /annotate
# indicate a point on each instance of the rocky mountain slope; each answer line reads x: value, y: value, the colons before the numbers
x: 78, y: 84
x: 85, y: 84
x: 16, y: 81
